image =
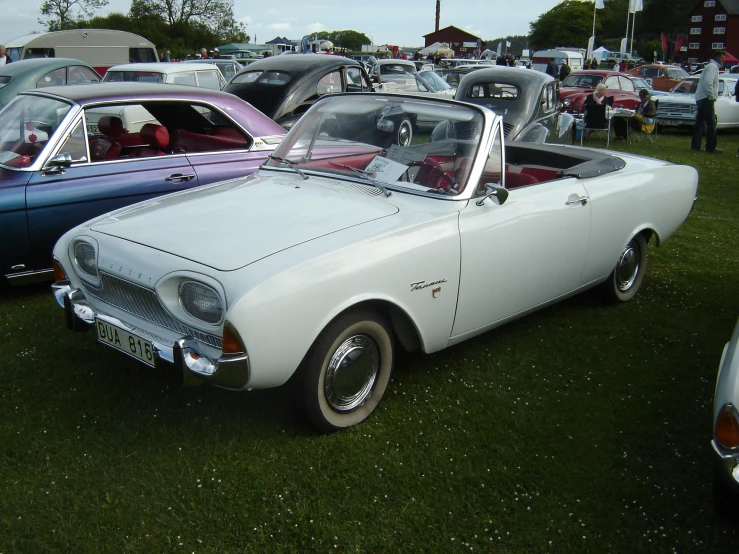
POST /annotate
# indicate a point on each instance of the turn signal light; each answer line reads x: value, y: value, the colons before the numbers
x: 727, y: 428
x: 231, y: 342
x: 59, y: 274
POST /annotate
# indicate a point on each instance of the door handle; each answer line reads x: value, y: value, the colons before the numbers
x: 179, y: 177
x: 581, y: 200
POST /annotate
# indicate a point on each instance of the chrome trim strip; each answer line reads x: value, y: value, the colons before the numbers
x: 27, y: 277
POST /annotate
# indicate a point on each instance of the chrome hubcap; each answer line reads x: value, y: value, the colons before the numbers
x: 352, y: 373
x: 628, y: 267
x: 404, y: 135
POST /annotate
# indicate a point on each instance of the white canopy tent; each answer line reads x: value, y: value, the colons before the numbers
x: 440, y: 48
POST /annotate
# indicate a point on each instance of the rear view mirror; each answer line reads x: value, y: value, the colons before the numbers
x: 495, y: 191
x: 60, y: 160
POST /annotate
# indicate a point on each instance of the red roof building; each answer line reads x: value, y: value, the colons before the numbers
x: 462, y: 42
x: 714, y: 25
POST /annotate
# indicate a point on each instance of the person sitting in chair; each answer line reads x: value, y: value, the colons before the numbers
x: 598, y: 96
x: 643, y: 119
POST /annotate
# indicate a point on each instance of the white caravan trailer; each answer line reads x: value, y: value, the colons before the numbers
x: 101, y: 48
x: 541, y: 59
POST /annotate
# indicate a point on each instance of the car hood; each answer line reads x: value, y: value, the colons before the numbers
x: 233, y: 224
x: 678, y: 98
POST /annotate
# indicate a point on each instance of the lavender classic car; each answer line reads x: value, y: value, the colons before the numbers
x: 71, y: 153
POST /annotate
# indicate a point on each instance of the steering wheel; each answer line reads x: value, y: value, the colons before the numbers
x: 434, y: 169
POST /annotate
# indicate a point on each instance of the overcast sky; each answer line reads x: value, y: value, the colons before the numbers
x: 384, y: 21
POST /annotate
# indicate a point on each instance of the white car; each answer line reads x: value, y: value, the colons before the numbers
x: 345, y: 247
x: 678, y: 108
x: 392, y: 70
x: 725, y: 441
x: 206, y: 75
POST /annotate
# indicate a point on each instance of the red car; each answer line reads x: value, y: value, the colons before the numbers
x: 579, y: 84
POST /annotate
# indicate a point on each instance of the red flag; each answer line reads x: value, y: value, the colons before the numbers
x: 665, y: 43
x: 679, y: 42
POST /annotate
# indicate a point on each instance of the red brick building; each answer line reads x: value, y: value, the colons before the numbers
x: 462, y: 42
x: 714, y: 25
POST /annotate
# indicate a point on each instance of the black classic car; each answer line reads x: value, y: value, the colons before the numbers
x: 284, y: 87
x: 528, y: 101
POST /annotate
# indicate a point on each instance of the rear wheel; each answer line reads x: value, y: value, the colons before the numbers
x: 626, y: 278
x: 347, y: 370
x: 404, y: 135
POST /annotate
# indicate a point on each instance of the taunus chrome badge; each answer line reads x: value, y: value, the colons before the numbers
x: 420, y: 285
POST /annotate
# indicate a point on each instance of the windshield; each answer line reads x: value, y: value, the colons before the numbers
x: 676, y: 73
x: 582, y: 80
x: 25, y: 127
x: 141, y: 76
x: 434, y: 81
x: 641, y: 83
x: 687, y: 86
x: 390, y: 69
x: 385, y: 141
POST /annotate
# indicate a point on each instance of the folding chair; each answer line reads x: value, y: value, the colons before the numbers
x: 595, y: 121
x: 640, y: 135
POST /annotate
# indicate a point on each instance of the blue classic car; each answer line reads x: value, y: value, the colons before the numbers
x: 71, y: 153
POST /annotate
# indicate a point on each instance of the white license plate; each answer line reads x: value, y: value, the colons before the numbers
x: 673, y: 122
x: 126, y: 342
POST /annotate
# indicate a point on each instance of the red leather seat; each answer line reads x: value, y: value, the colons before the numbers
x: 157, y: 138
x: 107, y: 147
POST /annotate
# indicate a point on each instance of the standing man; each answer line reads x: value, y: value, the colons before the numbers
x: 705, y: 99
x: 552, y: 68
x: 564, y: 70
x: 617, y: 67
x: 4, y: 58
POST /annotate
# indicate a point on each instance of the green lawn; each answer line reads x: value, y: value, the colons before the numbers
x: 581, y: 428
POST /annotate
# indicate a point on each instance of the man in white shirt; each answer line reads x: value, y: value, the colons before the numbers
x: 4, y: 58
x: 617, y: 67
x: 705, y: 99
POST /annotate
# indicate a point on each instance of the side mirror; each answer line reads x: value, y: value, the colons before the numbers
x: 59, y: 161
x: 494, y: 191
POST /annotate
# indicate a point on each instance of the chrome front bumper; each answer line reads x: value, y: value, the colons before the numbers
x: 727, y: 464
x: 186, y: 354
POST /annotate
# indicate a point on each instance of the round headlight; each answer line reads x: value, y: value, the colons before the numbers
x: 567, y: 102
x: 84, y: 256
x: 201, y: 301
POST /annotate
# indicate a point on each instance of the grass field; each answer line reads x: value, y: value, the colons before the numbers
x: 581, y: 428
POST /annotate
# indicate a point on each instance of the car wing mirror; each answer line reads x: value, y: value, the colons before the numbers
x: 495, y: 191
x: 59, y: 161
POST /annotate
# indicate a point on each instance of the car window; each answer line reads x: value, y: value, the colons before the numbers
x: 80, y: 74
x: 140, y: 76
x: 53, y: 78
x: 548, y: 98
x: 396, y: 69
x: 502, y: 91
x: 25, y: 127
x: 209, y: 79
x: 686, y: 87
x: 355, y: 80
x: 612, y: 83
x: 649, y: 72
x: 627, y: 84
x: 141, y: 55
x: 329, y: 83
x: 133, y: 117
x: 228, y: 70
x: 39, y: 53
x: 582, y: 80
x: 493, y: 172
x: 184, y: 78
x: 76, y: 144
x: 676, y: 73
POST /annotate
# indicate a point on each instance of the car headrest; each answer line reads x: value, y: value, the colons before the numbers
x: 154, y: 135
x: 111, y: 126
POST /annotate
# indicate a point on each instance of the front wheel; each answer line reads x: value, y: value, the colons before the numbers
x: 404, y: 135
x: 347, y: 370
x: 624, y: 281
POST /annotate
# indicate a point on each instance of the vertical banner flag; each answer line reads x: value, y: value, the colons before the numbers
x: 636, y: 6
x: 679, y: 41
x: 622, y: 48
x: 499, y: 50
x: 589, y: 55
x: 599, y: 5
x: 665, y: 43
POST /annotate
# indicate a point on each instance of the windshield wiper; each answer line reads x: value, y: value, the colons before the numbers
x: 366, y: 174
x: 289, y: 163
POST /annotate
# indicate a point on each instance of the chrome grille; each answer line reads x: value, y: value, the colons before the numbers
x: 667, y: 109
x: 507, y: 128
x: 144, y: 303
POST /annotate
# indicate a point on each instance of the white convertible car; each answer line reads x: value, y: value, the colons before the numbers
x: 725, y: 441
x: 346, y: 246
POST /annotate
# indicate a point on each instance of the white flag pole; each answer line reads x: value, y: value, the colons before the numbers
x: 628, y: 18
x: 633, y: 24
x: 595, y: 9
